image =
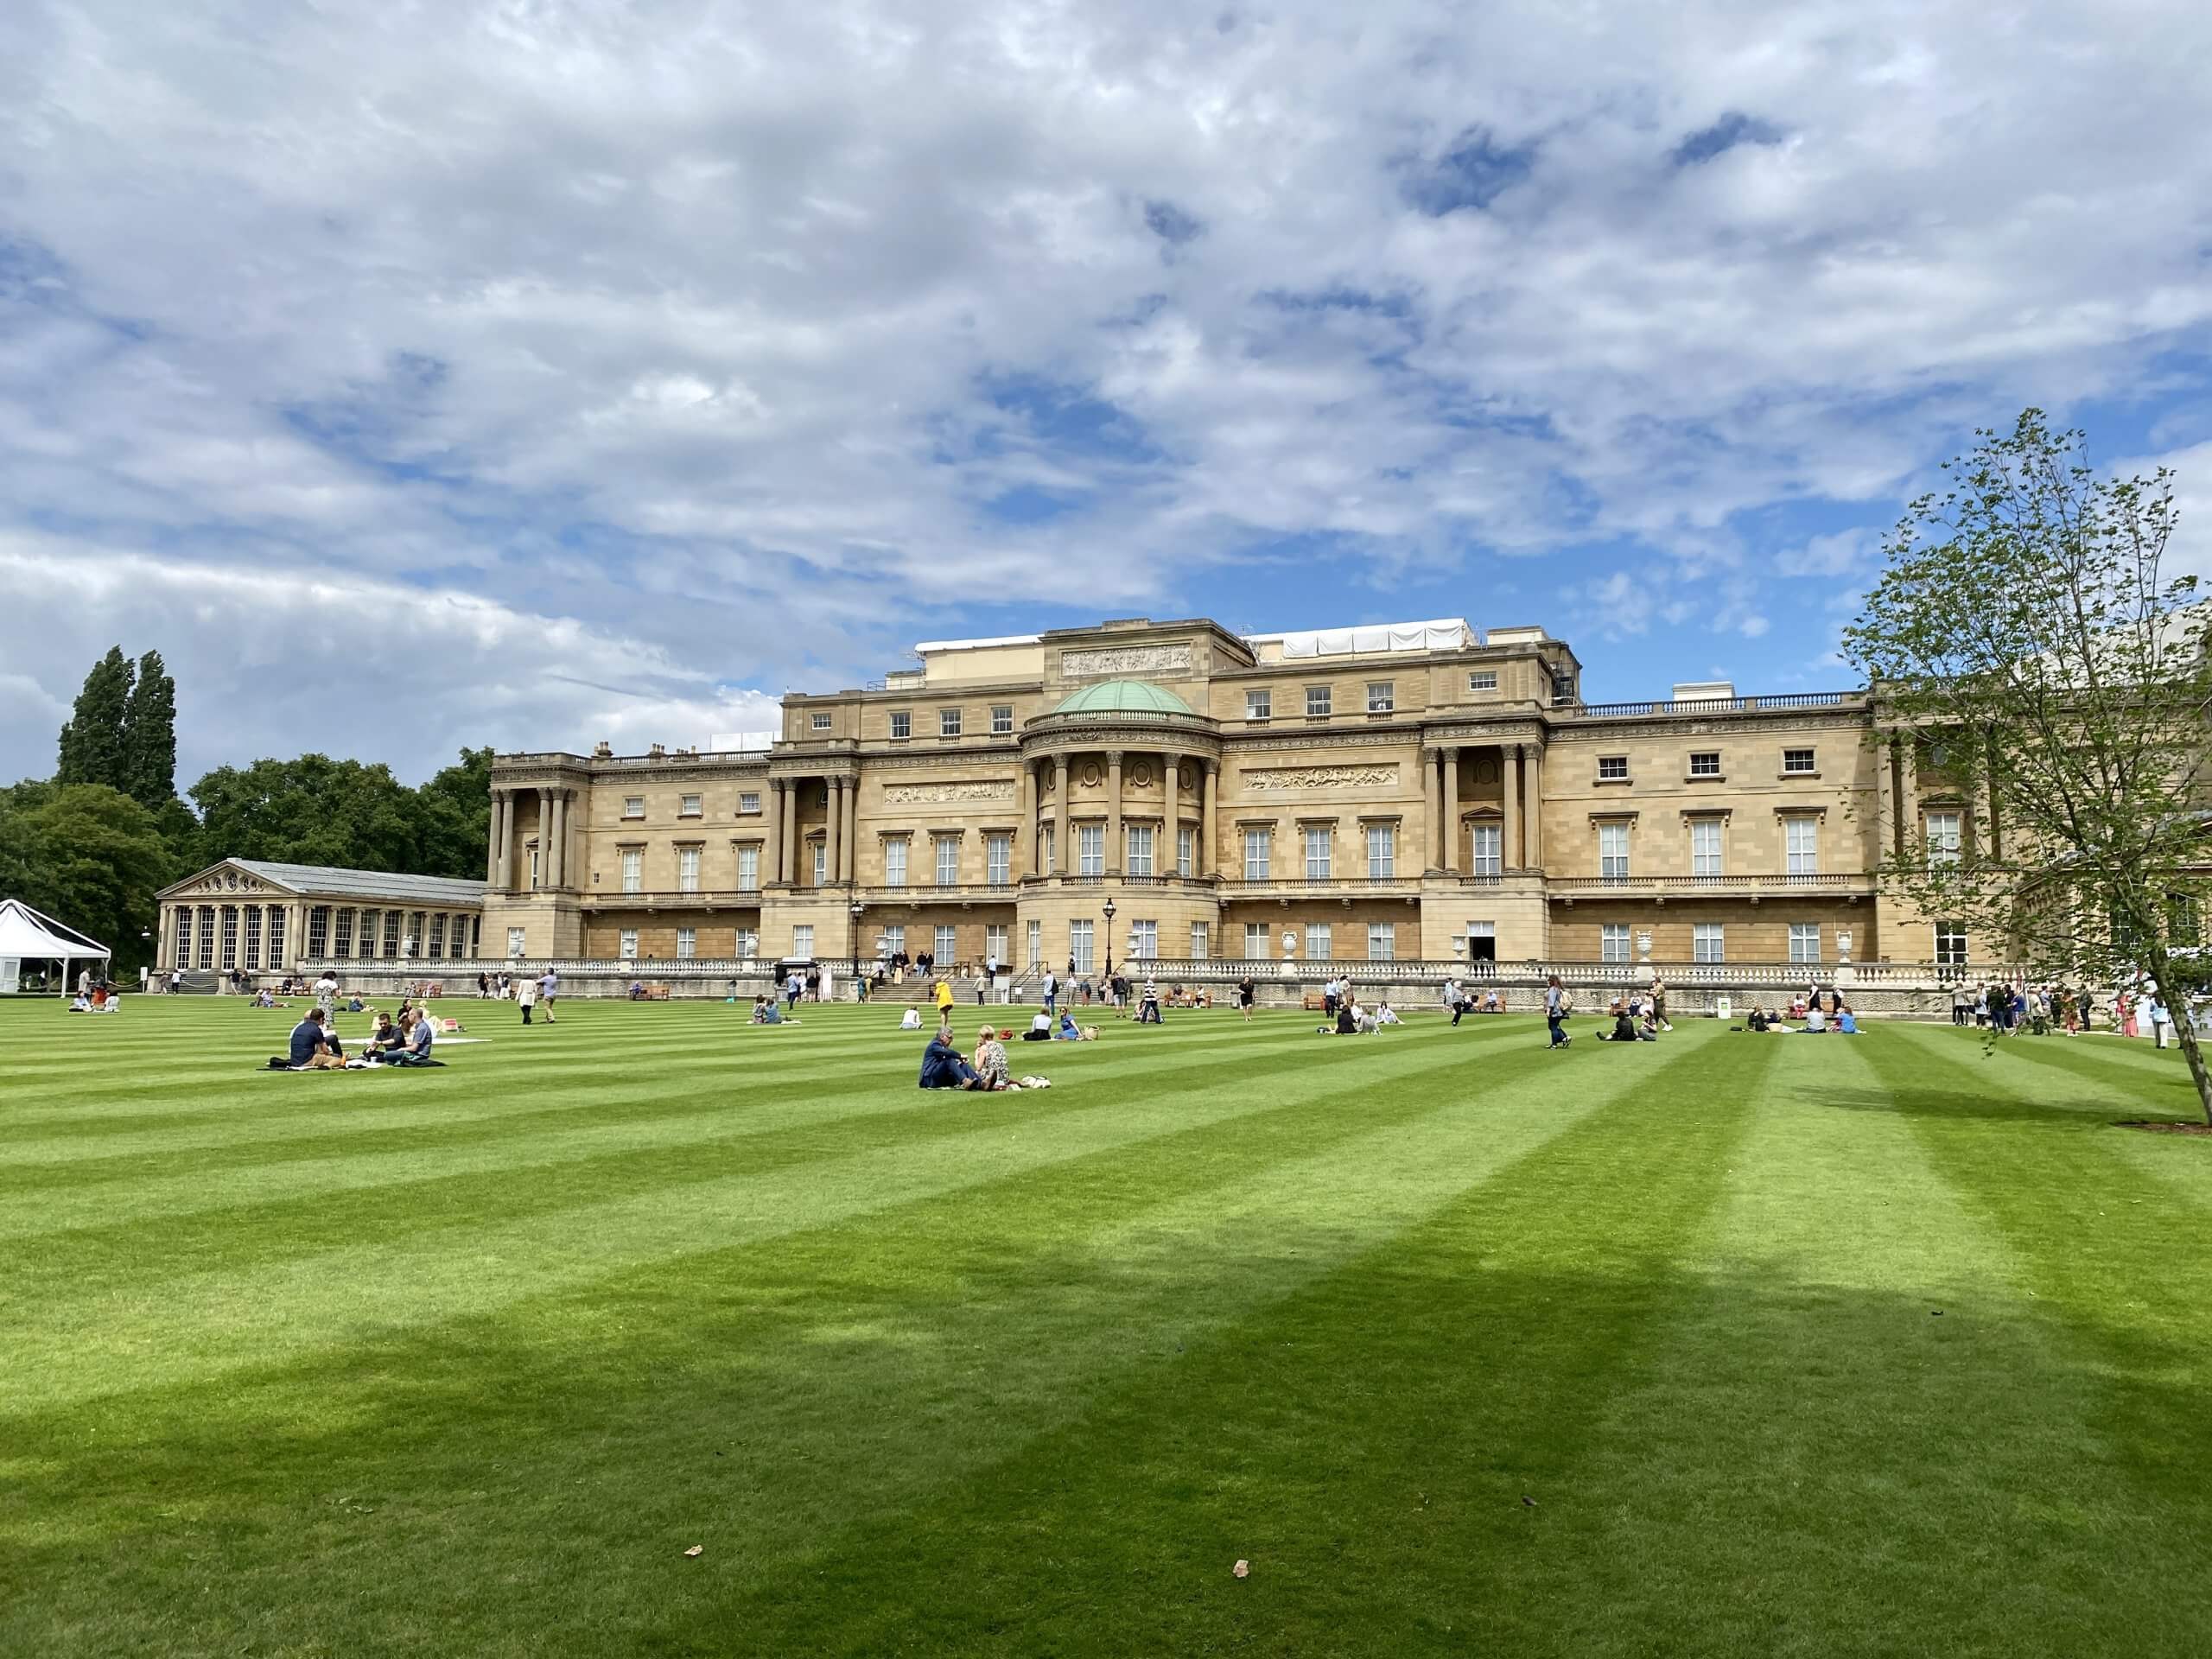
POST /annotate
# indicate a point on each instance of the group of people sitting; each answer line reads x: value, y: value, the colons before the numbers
x: 95, y: 999
x: 316, y: 1046
x: 1459, y: 1000
x: 944, y: 1066
x: 1352, y: 1020
x: 766, y: 1011
x: 1836, y: 1016
x: 1635, y: 1020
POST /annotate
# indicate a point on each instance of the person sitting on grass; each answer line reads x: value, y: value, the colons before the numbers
x: 1387, y: 1015
x: 944, y: 1066
x: 1845, y: 1020
x: 1041, y: 1029
x: 420, y: 1032
x: 991, y: 1074
x: 387, y: 1038
x: 312, y: 1047
x: 910, y: 1020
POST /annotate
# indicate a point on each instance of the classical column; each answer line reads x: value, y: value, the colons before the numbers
x: 772, y: 833
x: 1172, y: 828
x: 852, y: 830
x: 1113, y: 811
x: 786, y: 866
x: 557, y: 860
x: 1025, y: 851
x: 833, y: 862
x: 1533, y: 822
x: 1509, y: 772
x: 1063, y: 826
x: 1451, y: 811
x: 1431, y: 789
x: 544, y: 828
x: 492, y: 839
x: 1885, y: 798
x: 1911, y: 823
x: 507, y: 841
x: 1211, y: 785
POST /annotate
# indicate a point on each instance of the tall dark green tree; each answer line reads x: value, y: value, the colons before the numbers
x: 89, y: 856
x: 148, y: 765
x: 92, y: 740
x: 455, y: 817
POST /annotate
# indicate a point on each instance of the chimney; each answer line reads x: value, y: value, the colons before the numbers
x: 658, y: 752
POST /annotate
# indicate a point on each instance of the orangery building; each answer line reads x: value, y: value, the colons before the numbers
x: 1174, y: 792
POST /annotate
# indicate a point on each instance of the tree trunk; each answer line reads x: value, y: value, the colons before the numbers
x: 2177, y: 1011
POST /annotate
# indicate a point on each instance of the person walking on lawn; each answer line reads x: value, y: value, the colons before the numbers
x: 1555, y: 1008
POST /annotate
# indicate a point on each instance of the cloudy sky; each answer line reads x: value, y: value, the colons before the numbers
x: 413, y: 372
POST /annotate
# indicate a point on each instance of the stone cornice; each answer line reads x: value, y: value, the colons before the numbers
x: 1626, y: 727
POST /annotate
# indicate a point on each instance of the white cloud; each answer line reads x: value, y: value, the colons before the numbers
x: 725, y: 327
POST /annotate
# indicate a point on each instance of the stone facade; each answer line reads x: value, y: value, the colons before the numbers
x: 250, y: 916
x: 1444, y: 798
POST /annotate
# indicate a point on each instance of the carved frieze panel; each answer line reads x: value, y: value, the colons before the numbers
x: 948, y: 794
x: 1294, y: 779
x: 1125, y: 659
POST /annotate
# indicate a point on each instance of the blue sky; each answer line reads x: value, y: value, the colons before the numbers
x: 541, y: 374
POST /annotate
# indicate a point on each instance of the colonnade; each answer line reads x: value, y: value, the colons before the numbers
x: 503, y: 869
x: 1164, y: 859
x: 840, y: 830
x: 269, y: 937
x: 1521, y: 791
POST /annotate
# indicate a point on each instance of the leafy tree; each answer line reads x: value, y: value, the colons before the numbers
x: 311, y: 810
x: 455, y: 817
x: 92, y: 750
x: 88, y: 856
x: 2037, y: 666
x: 148, y: 743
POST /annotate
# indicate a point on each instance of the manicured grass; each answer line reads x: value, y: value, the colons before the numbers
x: 1730, y: 1345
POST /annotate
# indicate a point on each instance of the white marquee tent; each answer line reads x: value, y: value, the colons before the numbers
x: 27, y: 937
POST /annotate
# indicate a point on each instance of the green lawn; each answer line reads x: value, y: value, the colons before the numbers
x: 1732, y: 1345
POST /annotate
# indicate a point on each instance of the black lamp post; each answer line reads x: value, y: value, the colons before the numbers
x: 1109, y: 939
x: 854, y: 937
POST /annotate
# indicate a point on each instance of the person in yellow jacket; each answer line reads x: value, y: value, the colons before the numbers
x: 943, y: 1002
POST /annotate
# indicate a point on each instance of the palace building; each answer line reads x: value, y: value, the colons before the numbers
x: 1416, y: 792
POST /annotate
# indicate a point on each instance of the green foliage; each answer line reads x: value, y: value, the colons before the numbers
x: 2049, y: 679
x: 148, y: 771
x: 315, y: 810
x: 91, y: 747
x: 89, y: 856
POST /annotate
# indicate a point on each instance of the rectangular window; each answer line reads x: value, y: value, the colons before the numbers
x: 1382, y: 851
x: 1320, y: 844
x: 1950, y: 944
x: 1259, y: 705
x: 748, y: 870
x: 1797, y: 761
x: 533, y: 852
x: 253, y: 936
x: 1612, y: 942
x: 206, y: 936
x: 948, y: 722
x: 1381, y: 696
x: 343, y: 946
x: 1079, y: 946
x: 1048, y: 850
x: 628, y: 947
x: 1144, y: 941
x: 1382, y: 942
x: 1802, y: 837
x: 1706, y: 943
x: 821, y: 723
x: 998, y: 860
x: 686, y: 944
x: 1318, y: 945
x: 690, y: 808
x: 748, y: 802
x: 1186, y: 850
x: 182, y: 950
x: 2182, y: 926
x: 1804, y: 941
x: 517, y: 940
x: 633, y: 870
x: 747, y: 943
x: 1001, y: 719
x: 1613, y: 851
x: 1255, y: 941
x: 1139, y: 837
x: 902, y: 723
x: 318, y: 931
x: 995, y: 944
x: 1612, y: 768
x: 1942, y: 838
x: 1256, y: 849
x: 1483, y: 680
x: 437, y: 933
x: 894, y: 941
x: 365, y: 942
x: 946, y: 950
x: 633, y: 806
x: 1490, y: 849
x: 1036, y: 945
x: 948, y: 861
x: 1090, y: 849
x: 894, y: 861
x: 230, y: 959
x: 275, y: 958
x: 1706, y: 765
x: 1317, y: 700
x: 1198, y: 941
x: 802, y: 940
x: 687, y: 869
x: 391, y: 933
x: 414, y: 933
x: 1705, y: 847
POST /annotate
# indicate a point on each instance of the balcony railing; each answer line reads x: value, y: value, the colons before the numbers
x: 1335, y: 886
x: 923, y: 893
x: 668, y: 898
x: 1709, y: 705
x: 1577, y: 887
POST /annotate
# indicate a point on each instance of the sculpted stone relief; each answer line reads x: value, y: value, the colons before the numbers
x: 1278, y: 779
x: 1127, y: 659
x: 947, y: 794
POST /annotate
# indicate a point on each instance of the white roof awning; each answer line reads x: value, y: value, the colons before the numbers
x: 27, y: 933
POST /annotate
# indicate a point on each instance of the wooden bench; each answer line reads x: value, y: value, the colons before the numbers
x: 1315, y: 1004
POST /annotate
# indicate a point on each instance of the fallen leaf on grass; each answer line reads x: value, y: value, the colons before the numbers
x: 696, y: 1550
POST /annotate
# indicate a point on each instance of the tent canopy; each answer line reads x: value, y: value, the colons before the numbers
x: 25, y: 932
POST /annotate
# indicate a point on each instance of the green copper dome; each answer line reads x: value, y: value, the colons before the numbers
x: 1123, y: 697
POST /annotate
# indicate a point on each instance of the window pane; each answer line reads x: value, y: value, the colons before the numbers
x: 894, y: 861
x: 1258, y: 705
x: 687, y: 869
x: 1705, y: 847
x: 998, y: 860
x: 1003, y: 718
x: 1198, y: 942
x: 1255, y: 941
x: 1186, y: 850
x: 1139, y: 836
x: 1091, y: 848
x: 1317, y: 854
x: 948, y: 861
x: 1381, y: 696
x: 1382, y: 941
x: 1613, y: 851
x: 902, y: 723
x: 1490, y: 842
x: 687, y: 942
x: 1317, y: 699
x: 1079, y: 946
x: 948, y: 721
x: 1382, y: 851
x: 1317, y: 942
x: 1255, y: 855
x: 947, y: 949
